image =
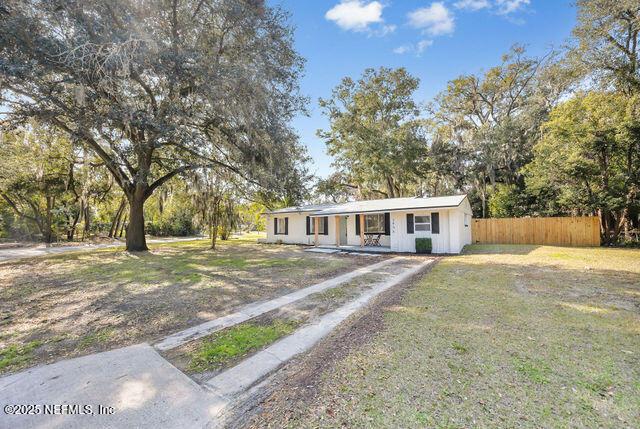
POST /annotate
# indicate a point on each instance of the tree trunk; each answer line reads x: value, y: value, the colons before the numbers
x: 47, y: 230
x: 115, y: 223
x: 122, y: 227
x: 216, y: 221
x: 605, y: 225
x: 47, y: 233
x: 136, y: 241
x: 71, y: 232
x: 391, y: 191
x: 214, y: 232
x: 87, y: 220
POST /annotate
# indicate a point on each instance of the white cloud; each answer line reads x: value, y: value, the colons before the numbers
x: 417, y: 49
x: 384, y: 30
x: 403, y: 49
x: 505, y: 7
x: 355, y: 15
x: 422, y: 45
x: 434, y: 20
x: 472, y: 5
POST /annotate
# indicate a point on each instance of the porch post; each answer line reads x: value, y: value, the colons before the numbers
x: 315, y: 229
x: 361, y: 230
x: 337, y: 231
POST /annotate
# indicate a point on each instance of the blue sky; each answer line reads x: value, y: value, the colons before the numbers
x: 435, y: 41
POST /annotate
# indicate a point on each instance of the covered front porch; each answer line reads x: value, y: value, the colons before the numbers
x: 364, y: 232
x: 351, y: 248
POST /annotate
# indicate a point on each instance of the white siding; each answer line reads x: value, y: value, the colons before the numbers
x: 297, y: 233
x: 460, y: 232
x: 401, y: 241
x: 455, y: 231
x: 453, y: 236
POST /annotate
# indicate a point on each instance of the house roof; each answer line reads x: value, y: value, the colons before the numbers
x: 295, y: 209
x: 377, y: 206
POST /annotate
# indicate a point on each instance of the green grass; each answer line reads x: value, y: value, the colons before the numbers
x: 506, y: 336
x: 460, y: 348
x: 333, y: 294
x: 95, y: 338
x: 189, y: 262
x: 119, y: 298
x: 237, y: 341
x: 17, y: 355
x: 535, y: 370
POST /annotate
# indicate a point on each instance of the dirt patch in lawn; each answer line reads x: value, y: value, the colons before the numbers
x: 295, y: 387
x: 75, y: 304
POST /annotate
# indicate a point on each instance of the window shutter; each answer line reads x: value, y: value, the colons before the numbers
x: 326, y: 225
x: 275, y: 226
x: 435, y: 223
x: 286, y: 226
x: 387, y: 224
x: 409, y: 223
x: 308, y: 225
x: 357, y: 224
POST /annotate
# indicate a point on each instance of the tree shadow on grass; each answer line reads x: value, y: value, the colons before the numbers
x: 88, y: 303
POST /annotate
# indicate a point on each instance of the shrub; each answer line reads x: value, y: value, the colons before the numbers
x: 423, y: 245
x: 508, y: 201
x: 178, y: 225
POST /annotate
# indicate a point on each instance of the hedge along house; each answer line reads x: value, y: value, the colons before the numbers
x: 389, y: 225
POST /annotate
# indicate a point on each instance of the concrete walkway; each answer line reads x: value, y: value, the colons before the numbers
x: 42, y: 250
x: 136, y: 388
x: 257, y: 308
x: 252, y: 370
x: 144, y: 390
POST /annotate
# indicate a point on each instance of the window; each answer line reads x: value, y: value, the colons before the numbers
x: 466, y: 219
x: 374, y: 224
x: 281, y: 226
x: 422, y: 223
x: 312, y: 226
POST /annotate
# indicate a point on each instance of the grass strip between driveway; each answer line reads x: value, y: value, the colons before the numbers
x: 232, y: 343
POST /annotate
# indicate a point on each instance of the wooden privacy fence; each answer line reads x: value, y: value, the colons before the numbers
x: 558, y: 231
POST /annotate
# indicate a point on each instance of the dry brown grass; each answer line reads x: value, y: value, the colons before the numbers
x: 75, y: 304
x: 503, y: 336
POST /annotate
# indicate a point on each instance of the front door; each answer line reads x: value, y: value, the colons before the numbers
x: 343, y: 231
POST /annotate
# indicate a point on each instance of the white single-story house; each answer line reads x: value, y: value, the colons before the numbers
x: 384, y: 225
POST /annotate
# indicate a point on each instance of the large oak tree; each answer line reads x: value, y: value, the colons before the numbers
x: 494, y: 118
x: 375, y: 133
x: 156, y: 87
x: 607, y: 43
x: 589, y: 157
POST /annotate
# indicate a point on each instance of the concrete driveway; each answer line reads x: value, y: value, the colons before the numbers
x: 132, y: 387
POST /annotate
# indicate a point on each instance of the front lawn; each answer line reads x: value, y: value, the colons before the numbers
x: 78, y: 303
x: 503, y: 336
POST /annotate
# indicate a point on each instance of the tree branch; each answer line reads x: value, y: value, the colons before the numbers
x: 162, y: 180
x: 154, y: 105
x: 117, y: 172
x: 15, y: 208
